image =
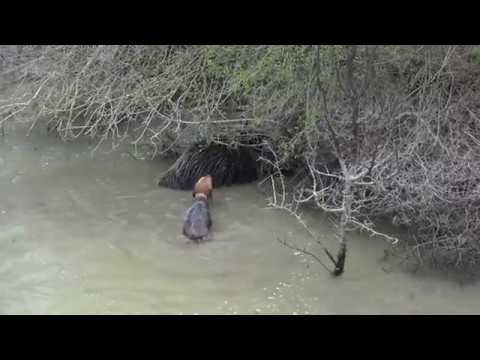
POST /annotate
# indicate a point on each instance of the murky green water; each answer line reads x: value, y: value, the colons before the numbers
x: 83, y: 235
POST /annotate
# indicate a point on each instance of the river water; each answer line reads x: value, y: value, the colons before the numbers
x: 83, y: 234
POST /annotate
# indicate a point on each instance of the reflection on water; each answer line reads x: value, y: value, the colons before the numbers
x: 82, y: 235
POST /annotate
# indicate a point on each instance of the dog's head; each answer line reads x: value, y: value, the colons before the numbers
x: 204, y: 186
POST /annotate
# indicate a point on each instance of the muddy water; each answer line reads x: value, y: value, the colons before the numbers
x: 83, y: 235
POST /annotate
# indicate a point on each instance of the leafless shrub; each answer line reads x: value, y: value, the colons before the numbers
x: 156, y: 94
x: 370, y: 131
x: 408, y: 152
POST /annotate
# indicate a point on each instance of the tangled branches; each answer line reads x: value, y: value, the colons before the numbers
x: 368, y: 132
x: 155, y: 95
x: 406, y: 150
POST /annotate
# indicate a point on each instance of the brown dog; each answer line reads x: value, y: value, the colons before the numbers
x: 197, y: 222
x: 204, y: 185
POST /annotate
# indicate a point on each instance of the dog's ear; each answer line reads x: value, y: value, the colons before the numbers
x: 193, y: 193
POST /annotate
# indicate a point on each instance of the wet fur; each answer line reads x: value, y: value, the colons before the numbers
x: 198, y: 221
x: 204, y: 186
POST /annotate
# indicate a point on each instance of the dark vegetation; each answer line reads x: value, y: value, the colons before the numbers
x: 226, y: 165
x: 363, y: 132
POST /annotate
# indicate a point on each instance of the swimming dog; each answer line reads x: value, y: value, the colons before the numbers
x: 204, y: 185
x: 197, y: 222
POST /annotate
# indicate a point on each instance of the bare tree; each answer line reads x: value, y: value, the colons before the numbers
x: 343, y: 109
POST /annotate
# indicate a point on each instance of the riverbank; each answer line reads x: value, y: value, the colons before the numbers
x: 94, y: 235
x: 395, y: 125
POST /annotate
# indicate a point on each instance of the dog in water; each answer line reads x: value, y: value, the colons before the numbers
x: 204, y: 185
x: 197, y: 221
